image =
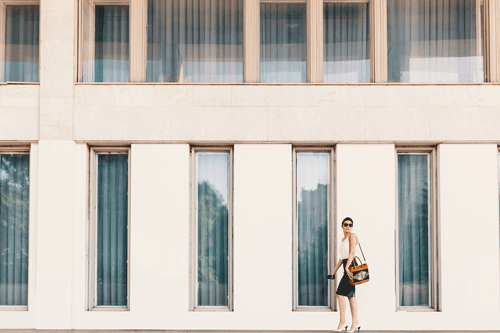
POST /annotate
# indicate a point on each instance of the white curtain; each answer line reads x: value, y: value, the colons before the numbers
x: 434, y: 41
x: 112, y: 229
x: 21, y: 44
x: 346, y: 49
x: 195, y: 41
x: 14, y: 228
x: 313, y: 184
x: 283, y: 36
x: 413, y: 230
x: 111, y: 44
x: 213, y: 214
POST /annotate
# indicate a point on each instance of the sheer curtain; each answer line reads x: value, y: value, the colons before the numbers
x: 111, y: 44
x: 413, y: 209
x: 112, y: 229
x: 213, y: 210
x: 21, y: 44
x: 283, y: 36
x: 195, y: 41
x: 14, y: 228
x: 346, y: 49
x: 313, y: 183
x: 434, y: 41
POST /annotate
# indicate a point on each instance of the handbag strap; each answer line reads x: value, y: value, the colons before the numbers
x: 359, y: 248
x: 361, y: 251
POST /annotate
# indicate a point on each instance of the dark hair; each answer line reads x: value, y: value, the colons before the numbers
x: 347, y: 219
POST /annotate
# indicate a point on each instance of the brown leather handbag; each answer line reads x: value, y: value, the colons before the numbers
x: 359, y: 271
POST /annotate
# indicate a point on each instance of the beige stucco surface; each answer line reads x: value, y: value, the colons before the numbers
x: 257, y: 113
x: 59, y: 119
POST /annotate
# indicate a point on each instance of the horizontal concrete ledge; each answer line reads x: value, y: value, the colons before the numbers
x: 230, y: 331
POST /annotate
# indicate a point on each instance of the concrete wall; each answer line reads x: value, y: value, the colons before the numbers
x: 59, y: 118
x: 161, y: 236
x: 304, y: 113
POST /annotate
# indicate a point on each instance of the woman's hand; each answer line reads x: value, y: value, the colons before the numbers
x: 349, y: 274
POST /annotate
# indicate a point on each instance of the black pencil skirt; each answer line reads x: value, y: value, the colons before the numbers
x: 345, y: 288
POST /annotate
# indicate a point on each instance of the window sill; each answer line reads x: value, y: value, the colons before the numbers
x: 416, y: 309
x: 13, y: 308
x: 277, y: 84
x: 314, y: 309
x: 211, y: 309
x: 109, y: 308
x: 19, y: 83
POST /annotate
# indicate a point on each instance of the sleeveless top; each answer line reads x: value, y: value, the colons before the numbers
x: 344, y: 249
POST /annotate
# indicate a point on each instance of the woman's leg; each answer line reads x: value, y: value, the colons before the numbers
x: 342, y: 322
x: 354, y: 311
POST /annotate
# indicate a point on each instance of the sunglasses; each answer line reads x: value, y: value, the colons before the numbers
x: 347, y: 224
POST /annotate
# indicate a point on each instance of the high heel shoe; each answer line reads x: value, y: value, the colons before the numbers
x: 341, y: 329
x: 357, y: 327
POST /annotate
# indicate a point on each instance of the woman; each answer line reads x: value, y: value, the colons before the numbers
x: 347, y: 251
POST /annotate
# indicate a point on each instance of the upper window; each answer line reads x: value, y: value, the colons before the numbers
x: 283, y: 42
x: 435, y: 41
x: 346, y: 42
x: 416, y: 241
x: 195, y: 41
x: 109, y: 229
x: 14, y: 227
x: 106, y: 44
x: 212, y: 226
x: 312, y: 228
x: 19, y: 59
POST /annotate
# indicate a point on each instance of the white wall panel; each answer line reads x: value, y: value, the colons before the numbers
x: 366, y: 192
x: 55, y: 234
x: 469, y: 228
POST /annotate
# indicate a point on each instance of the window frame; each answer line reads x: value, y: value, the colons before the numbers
x: 332, y: 234
x: 24, y: 150
x: 193, y: 267
x: 433, y: 228
x: 87, y: 15
x: 309, y: 43
x: 483, y: 32
x: 373, y: 38
x: 3, y: 22
x: 251, y: 40
x: 92, y: 228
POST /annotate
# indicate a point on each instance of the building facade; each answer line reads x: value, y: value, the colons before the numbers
x: 186, y: 164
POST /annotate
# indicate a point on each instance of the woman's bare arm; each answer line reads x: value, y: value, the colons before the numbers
x: 353, y: 240
x: 337, y: 267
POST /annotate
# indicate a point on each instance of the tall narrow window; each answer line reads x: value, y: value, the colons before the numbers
x: 20, y: 61
x: 105, y: 44
x: 283, y: 36
x: 14, y: 228
x: 195, y: 41
x: 415, y: 230
x: 312, y: 228
x: 213, y: 228
x: 435, y: 41
x: 110, y: 269
x: 111, y: 44
x: 346, y: 45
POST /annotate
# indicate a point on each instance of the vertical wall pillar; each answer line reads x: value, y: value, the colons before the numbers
x: 251, y: 36
x: 57, y: 34
x: 468, y: 218
x: 56, y: 165
x: 378, y: 29
x: 366, y: 192
x: 492, y: 40
x: 54, y: 234
x: 315, y: 41
x: 263, y: 232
